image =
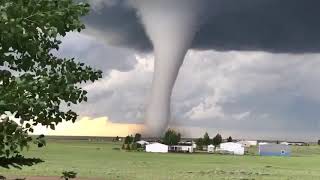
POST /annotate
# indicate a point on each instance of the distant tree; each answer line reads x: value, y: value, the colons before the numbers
x: 318, y: 142
x: 117, y: 138
x: 128, y: 139
x: 199, y: 143
x: 229, y: 139
x: 278, y: 142
x: 206, y: 139
x: 137, y: 137
x: 171, y: 137
x: 217, y: 140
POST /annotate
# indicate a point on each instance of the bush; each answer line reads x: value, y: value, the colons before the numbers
x: 68, y: 174
x: 140, y: 149
x: 134, y: 146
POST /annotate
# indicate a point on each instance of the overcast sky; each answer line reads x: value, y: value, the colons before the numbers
x: 240, y: 93
x: 260, y: 84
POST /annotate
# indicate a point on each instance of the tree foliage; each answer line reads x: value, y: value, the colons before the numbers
x: 217, y: 140
x: 13, y: 138
x: 128, y: 139
x: 171, y: 137
x: 137, y: 137
x: 206, y: 139
x: 37, y: 87
x: 229, y: 139
x: 199, y: 143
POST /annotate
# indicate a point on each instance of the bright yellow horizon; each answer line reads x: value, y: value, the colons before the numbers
x: 87, y: 126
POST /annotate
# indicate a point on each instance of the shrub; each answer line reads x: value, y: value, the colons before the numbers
x: 68, y: 174
x: 134, y: 146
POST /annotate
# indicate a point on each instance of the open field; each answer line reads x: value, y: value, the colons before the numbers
x: 106, y: 161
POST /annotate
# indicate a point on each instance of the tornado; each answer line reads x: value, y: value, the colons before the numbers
x: 171, y: 26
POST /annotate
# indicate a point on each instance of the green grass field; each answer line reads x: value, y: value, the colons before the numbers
x: 103, y: 160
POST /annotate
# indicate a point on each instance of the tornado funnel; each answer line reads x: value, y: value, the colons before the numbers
x: 171, y: 26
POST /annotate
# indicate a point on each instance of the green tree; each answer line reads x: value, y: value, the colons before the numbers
x: 137, y: 137
x: 36, y: 86
x: 171, y: 137
x: 217, y: 140
x: 206, y: 139
x: 199, y: 143
x: 128, y: 139
x: 229, y: 139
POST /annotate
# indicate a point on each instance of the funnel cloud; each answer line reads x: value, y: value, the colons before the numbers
x: 171, y: 34
x: 171, y: 27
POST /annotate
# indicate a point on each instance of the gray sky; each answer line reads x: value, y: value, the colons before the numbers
x: 233, y: 83
x: 238, y: 93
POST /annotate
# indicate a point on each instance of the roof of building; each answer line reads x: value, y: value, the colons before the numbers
x: 156, y: 144
x: 142, y: 142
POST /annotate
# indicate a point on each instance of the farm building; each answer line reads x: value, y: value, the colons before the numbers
x: 210, y: 148
x: 194, y: 145
x: 298, y: 144
x: 142, y: 142
x: 157, y: 147
x: 262, y: 143
x: 285, y: 143
x: 231, y: 147
x: 181, y: 148
x: 248, y: 143
x: 274, y: 150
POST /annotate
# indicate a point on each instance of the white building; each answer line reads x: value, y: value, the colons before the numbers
x: 157, y: 147
x: 248, y: 143
x: 210, y: 148
x: 181, y: 148
x: 262, y: 143
x: 234, y: 148
x: 194, y: 145
x: 284, y: 143
x: 142, y: 142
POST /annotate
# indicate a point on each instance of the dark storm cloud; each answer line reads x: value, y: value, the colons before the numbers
x: 117, y: 19
x: 289, y: 26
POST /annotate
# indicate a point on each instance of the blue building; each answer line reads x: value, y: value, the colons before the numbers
x: 274, y: 150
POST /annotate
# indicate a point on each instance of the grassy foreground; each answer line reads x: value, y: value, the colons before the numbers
x: 104, y: 160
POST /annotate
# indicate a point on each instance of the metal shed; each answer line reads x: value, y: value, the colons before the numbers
x: 157, y: 147
x: 274, y: 150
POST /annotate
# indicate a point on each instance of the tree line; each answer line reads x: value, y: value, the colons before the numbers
x: 173, y: 137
